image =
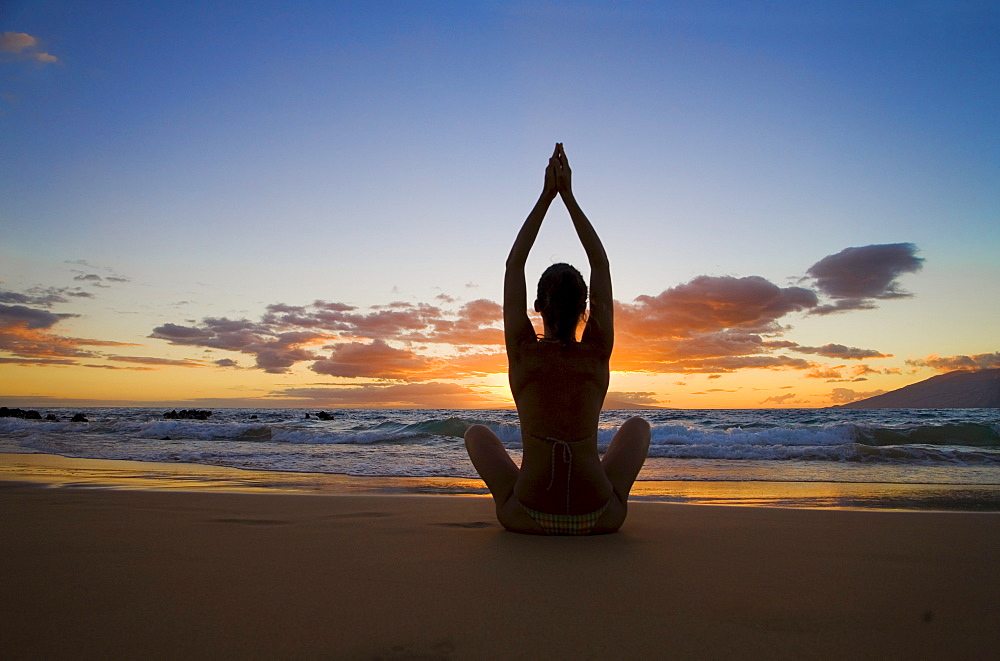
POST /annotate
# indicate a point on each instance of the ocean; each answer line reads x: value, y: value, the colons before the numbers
x: 883, y: 458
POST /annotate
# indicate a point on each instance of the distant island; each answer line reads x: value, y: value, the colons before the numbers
x: 954, y: 390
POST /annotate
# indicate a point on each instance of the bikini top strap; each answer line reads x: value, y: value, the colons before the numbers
x: 551, y: 439
x: 567, y: 457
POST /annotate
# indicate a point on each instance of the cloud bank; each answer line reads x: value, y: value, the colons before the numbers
x: 711, y: 324
x: 978, y: 361
x: 338, y: 340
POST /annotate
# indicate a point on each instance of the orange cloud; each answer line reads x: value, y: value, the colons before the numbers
x: 707, y: 325
x: 820, y: 372
x: 841, y: 352
x: 478, y: 322
x: 722, y: 364
x: 16, y: 42
x: 379, y: 360
x: 709, y: 304
x: 979, y: 361
x: 116, y: 367
x: 28, y: 335
x: 150, y: 360
x: 477, y: 364
x: 376, y: 360
x: 22, y: 340
x: 24, y: 46
x: 36, y: 361
x: 710, y: 324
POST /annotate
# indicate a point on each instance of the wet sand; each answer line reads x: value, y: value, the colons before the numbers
x: 123, y: 474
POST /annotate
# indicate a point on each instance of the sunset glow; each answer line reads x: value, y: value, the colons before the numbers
x: 310, y: 205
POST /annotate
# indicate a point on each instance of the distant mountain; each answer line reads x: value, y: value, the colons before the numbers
x: 612, y: 403
x: 954, y: 390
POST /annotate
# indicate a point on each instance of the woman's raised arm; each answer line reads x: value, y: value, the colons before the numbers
x: 516, y: 324
x: 600, y: 325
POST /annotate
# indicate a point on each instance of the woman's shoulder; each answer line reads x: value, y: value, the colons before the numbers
x: 553, y: 352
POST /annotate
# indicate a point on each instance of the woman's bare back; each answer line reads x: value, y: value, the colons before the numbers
x: 559, y: 390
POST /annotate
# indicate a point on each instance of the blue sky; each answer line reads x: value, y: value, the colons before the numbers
x: 222, y: 157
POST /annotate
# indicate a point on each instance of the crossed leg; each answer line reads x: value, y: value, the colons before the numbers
x: 492, y: 462
x: 499, y: 472
x: 625, y: 455
x: 621, y: 462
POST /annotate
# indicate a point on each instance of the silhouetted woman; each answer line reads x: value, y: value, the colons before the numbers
x: 563, y: 486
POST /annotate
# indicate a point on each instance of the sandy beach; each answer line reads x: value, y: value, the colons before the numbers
x: 102, y: 573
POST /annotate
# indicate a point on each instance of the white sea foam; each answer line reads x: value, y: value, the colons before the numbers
x: 685, y: 444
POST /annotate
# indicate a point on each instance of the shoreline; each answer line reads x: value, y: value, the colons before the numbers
x: 75, y: 473
x: 105, y: 573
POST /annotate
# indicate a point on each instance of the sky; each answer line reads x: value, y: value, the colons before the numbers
x: 309, y: 204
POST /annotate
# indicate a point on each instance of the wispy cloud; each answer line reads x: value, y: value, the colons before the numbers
x: 152, y: 360
x: 44, y: 296
x: 6, y: 360
x: 847, y: 395
x: 23, y: 46
x: 409, y: 395
x: 786, y: 399
x: 841, y: 352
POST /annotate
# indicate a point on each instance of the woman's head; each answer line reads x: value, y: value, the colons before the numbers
x: 562, y: 300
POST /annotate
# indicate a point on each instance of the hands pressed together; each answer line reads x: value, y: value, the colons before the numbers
x: 558, y: 176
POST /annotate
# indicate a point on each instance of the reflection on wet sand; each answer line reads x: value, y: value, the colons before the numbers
x: 67, y: 472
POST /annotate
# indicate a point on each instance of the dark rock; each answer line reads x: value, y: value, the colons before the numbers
x: 19, y: 413
x: 51, y: 418
x: 79, y: 417
x: 187, y: 414
x: 323, y: 415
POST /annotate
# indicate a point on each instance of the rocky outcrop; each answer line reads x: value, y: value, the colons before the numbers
x: 19, y: 413
x: 954, y: 390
